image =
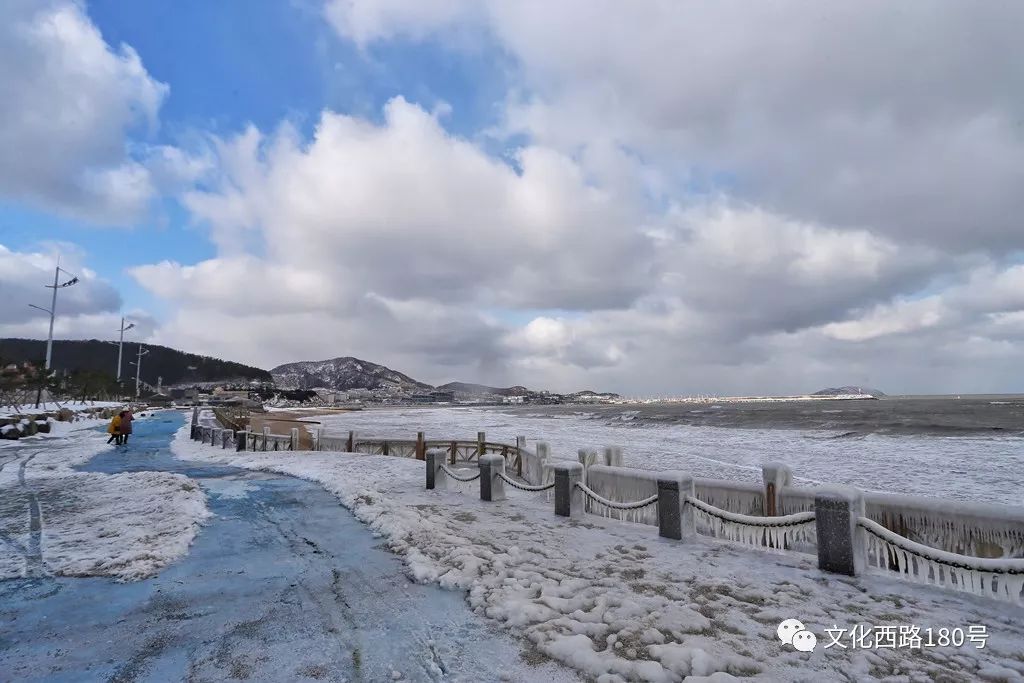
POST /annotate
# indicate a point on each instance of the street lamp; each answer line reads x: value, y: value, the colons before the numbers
x: 52, y: 310
x: 138, y: 368
x: 120, y: 344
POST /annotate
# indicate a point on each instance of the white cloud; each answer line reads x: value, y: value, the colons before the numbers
x: 89, y: 309
x: 70, y: 103
x: 712, y: 197
x: 848, y: 114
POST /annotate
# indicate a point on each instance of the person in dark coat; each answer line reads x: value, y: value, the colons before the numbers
x: 126, y: 425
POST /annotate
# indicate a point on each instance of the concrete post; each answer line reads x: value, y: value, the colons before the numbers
x: 436, y: 477
x: 568, y: 498
x: 226, y: 437
x: 266, y: 437
x: 195, y: 415
x: 295, y: 438
x: 317, y: 438
x: 675, y: 517
x: 492, y: 487
x: 543, y: 450
x: 841, y: 547
x: 481, y: 438
x: 613, y: 456
x: 421, y: 446
x: 775, y: 476
x: 240, y: 439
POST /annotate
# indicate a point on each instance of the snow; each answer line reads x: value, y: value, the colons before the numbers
x: 617, y: 602
x: 74, y: 406
x: 127, y: 526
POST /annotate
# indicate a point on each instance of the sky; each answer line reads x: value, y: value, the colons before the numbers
x: 653, y: 198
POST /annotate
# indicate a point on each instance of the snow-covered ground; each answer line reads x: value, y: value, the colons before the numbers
x: 618, y: 603
x: 56, y: 520
x: 942, y: 467
x: 74, y: 406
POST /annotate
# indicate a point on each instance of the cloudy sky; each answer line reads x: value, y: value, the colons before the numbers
x: 652, y: 197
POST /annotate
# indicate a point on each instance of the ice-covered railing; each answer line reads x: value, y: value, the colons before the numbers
x: 621, y: 485
x: 783, y: 533
x: 628, y: 483
x: 631, y: 495
x: 735, y: 496
x: 957, y: 527
x: 1002, y: 579
x: 952, y: 526
x: 621, y: 509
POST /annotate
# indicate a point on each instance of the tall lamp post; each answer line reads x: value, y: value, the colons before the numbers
x: 120, y: 344
x: 52, y: 310
x: 138, y: 368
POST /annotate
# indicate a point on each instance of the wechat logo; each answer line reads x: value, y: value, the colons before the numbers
x: 793, y: 632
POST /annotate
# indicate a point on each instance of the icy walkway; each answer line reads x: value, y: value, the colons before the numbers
x: 282, y: 584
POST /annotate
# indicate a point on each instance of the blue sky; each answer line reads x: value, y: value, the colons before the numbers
x: 262, y: 62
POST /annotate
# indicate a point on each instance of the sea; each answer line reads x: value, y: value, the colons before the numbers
x: 966, y: 448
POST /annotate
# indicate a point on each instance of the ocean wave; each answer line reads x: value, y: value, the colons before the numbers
x: 843, y: 435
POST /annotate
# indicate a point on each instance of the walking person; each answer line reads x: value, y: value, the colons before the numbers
x: 126, y: 424
x: 114, y: 429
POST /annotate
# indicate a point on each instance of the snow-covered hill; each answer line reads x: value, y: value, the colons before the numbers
x: 848, y: 390
x: 343, y: 374
x: 481, y: 389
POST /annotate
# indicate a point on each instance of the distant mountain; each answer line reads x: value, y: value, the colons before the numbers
x: 98, y: 356
x: 836, y: 391
x: 481, y: 389
x: 587, y: 393
x: 343, y: 374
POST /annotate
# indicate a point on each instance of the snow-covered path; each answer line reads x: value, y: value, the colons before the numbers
x: 282, y: 584
x: 56, y: 520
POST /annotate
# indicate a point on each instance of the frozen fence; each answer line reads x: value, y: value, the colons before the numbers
x: 835, y: 528
x: 952, y: 526
x: 994, y: 578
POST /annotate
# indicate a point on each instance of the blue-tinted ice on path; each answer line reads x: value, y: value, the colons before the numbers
x: 282, y: 583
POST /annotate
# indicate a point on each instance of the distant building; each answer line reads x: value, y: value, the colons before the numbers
x: 433, y: 397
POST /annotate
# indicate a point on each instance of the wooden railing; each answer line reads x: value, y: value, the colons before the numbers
x: 459, y: 450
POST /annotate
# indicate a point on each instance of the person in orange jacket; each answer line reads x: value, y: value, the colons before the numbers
x: 114, y: 429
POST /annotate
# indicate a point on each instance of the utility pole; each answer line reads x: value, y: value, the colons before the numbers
x: 52, y: 310
x: 138, y: 369
x: 120, y: 344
